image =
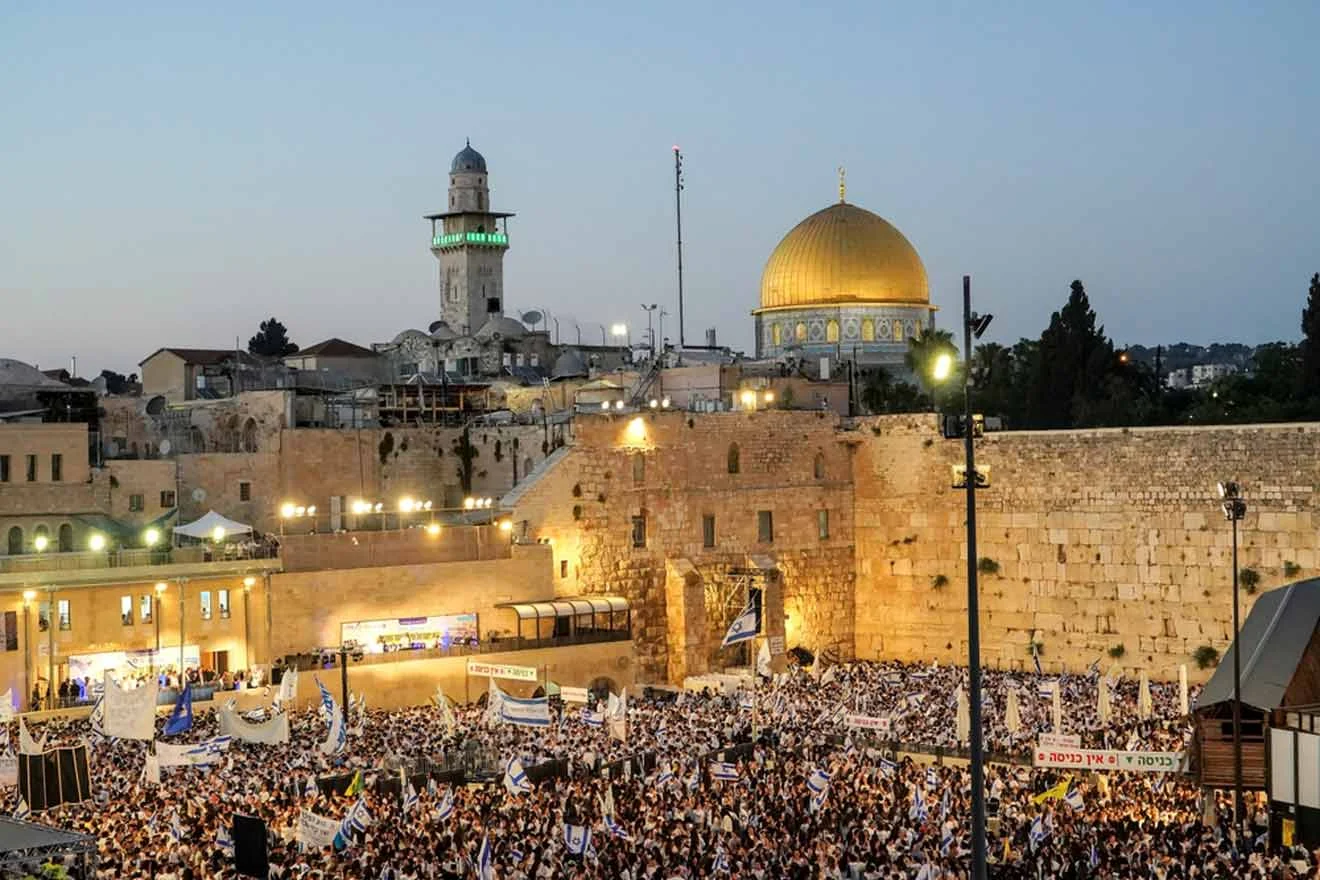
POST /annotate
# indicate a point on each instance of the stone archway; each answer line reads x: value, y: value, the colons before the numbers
x: 15, y: 540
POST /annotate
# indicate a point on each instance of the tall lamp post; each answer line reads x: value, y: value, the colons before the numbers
x: 1235, y: 508
x: 973, y: 326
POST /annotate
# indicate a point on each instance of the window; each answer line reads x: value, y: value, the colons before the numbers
x: 868, y: 330
x: 800, y: 332
x: 492, y: 304
x: 144, y: 608
x: 56, y: 467
x: 823, y: 524
x: 898, y: 331
x: 818, y: 466
x: 167, y: 498
x: 776, y: 335
x: 639, y: 469
x: 832, y: 331
x: 223, y: 596
x: 66, y: 622
x: 66, y: 538
x: 4, y: 469
x: 31, y: 468
x: 205, y: 596
x: 563, y: 568
x: 43, y: 616
x: 244, y: 490
x: 15, y: 540
x: 734, y: 461
x: 639, y: 530
x: 126, y: 610
x: 534, y: 360
x: 708, y: 530
x: 765, y: 526
x: 135, y: 503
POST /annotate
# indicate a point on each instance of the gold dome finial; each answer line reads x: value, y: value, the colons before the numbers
x: 842, y: 184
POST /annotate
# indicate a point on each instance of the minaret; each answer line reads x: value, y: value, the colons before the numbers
x: 469, y: 240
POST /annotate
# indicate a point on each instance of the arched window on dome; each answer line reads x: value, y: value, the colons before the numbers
x: 735, y: 463
x: 831, y: 331
x: 868, y: 330
x: 776, y: 335
x: 800, y: 332
x: 898, y: 331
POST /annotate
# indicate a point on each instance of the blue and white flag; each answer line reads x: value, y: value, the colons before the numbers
x: 818, y: 781
x: 515, y: 778
x: 446, y: 808
x: 577, y: 838
x: 176, y: 829
x: 663, y: 776
x: 1037, y: 833
x: 1094, y: 858
x: 723, y: 770
x: 888, y: 767
x: 97, y: 719
x: 946, y: 840
x: 533, y: 712
x: 1035, y: 658
x: 223, y: 840
x: 485, y: 871
x: 181, y: 718
x: 918, y: 810
x: 745, y: 627
x: 1045, y: 690
x: 356, y: 819
x: 22, y: 811
x: 329, y: 709
x: 311, y: 791
x: 932, y: 777
x: 615, y: 828
x: 594, y: 719
x: 721, y: 862
x: 1074, y: 798
x: 409, y: 799
x: 336, y: 738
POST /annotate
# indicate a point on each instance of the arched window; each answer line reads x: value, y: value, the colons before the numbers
x: 898, y: 331
x: 527, y: 467
x: 250, y: 435
x: 15, y: 541
x: 639, y: 469
x: 818, y: 466
x: 776, y: 334
x: 832, y: 331
x: 800, y: 332
x: 868, y: 330
x: 66, y: 538
x: 734, y: 462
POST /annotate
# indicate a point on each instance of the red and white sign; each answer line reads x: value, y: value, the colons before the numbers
x: 868, y: 722
x: 502, y: 670
x: 1104, y: 759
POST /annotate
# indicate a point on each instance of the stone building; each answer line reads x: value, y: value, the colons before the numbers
x: 842, y: 285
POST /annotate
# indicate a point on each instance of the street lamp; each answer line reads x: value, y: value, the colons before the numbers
x: 1235, y: 508
x: 40, y: 543
x: 96, y: 543
x: 942, y: 369
x: 151, y: 537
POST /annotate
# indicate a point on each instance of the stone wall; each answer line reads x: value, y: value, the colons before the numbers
x: 1092, y: 539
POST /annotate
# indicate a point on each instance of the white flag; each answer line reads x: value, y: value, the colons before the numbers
x: 1013, y: 714
x: 288, y: 692
x: 151, y: 770
x: 1182, y: 689
x: 270, y: 732
x: 130, y: 714
x: 1102, y: 707
x: 763, y: 660
x: 1143, y: 697
x: 26, y: 744
x: 316, y: 832
x: 963, y: 717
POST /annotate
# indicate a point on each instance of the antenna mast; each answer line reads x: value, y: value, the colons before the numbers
x: 678, y: 218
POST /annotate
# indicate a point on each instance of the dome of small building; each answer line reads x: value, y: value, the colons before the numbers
x: 468, y: 160
x: 503, y: 326
x: 570, y: 364
x: 843, y: 255
x: 409, y: 334
x: 441, y: 333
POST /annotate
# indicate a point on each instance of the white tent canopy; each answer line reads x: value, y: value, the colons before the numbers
x: 205, y: 527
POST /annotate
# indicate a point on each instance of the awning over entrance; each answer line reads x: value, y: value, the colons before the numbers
x: 583, y: 605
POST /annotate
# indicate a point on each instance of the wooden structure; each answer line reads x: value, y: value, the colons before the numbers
x: 1280, y: 669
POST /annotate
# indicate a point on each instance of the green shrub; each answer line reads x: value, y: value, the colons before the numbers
x: 1290, y: 568
x: 986, y: 565
x: 1205, y: 657
x: 1250, y: 579
x: 939, y: 582
x: 1117, y: 651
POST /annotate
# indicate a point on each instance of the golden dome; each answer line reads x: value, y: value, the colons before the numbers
x: 843, y: 255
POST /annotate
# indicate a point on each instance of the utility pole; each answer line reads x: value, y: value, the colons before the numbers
x: 678, y: 218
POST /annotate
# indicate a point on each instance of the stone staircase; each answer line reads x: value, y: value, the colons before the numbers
x: 527, y: 483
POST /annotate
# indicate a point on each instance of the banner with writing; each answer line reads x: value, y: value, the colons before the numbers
x: 8, y: 770
x: 502, y: 670
x: 130, y: 714
x: 1059, y: 741
x: 1105, y: 759
x: 868, y: 722
x: 316, y: 831
x: 572, y: 694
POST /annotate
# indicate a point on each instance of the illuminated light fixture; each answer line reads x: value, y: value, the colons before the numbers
x: 469, y: 503
x: 379, y: 507
x: 619, y: 329
x: 506, y: 525
x: 311, y: 511
x: 218, y: 534
x: 748, y: 398
x: 618, y: 404
x: 287, y: 510
x: 605, y: 405
x: 151, y: 538
x: 489, y: 502
x: 29, y: 595
x: 406, y: 505
x: 433, y: 529
x: 426, y: 505
x: 943, y: 367
x: 664, y: 403
x: 769, y: 397
x: 654, y: 403
x: 160, y: 587
x: 636, y: 431
x: 300, y: 511
x: 249, y: 581
x: 96, y: 542
x: 40, y: 543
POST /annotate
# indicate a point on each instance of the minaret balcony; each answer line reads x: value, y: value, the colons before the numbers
x: 462, y: 239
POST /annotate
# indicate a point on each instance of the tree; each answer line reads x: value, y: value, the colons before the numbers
x: 881, y: 394
x: 271, y: 341
x: 118, y: 383
x: 920, y: 358
x: 1074, y: 360
x: 993, y: 381
x: 1308, y: 379
x: 466, y: 454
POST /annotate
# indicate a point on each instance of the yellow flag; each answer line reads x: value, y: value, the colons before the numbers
x: 1058, y: 792
x: 355, y: 787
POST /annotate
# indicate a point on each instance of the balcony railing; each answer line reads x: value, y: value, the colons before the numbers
x: 458, y: 239
x: 36, y: 563
x: 501, y: 645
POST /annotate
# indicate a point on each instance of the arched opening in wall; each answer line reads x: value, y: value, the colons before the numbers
x: 601, y: 687
x: 639, y: 468
x: 776, y: 334
x: 868, y: 330
x: 898, y: 331
x: 832, y: 331
x: 66, y: 538
x: 818, y: 466
x: 538, y: 693
x: 15, y: 540
x: 196, y: 439
x: 133, y: 449
x: 735, y: 462
x: 249, y: 439
x: 800, y: 332
x: 527, y: 467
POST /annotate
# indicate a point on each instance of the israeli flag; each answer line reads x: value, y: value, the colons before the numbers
x: 818, y: 781
x: 1045, y: 690
x: 888, y: 767
x: 515, y: 778
x: 22, y: 812
x: 311, y: 791
x: 723, y: 770
x: 327, y: 704
x: 664, y: 776
x: 409, y: 799
x: 577, y: 838
x: 1037, y: 833
x: 946, y: 841
x: 1035, y: 658
x: 485, y: 871
x: 1074, y: 799
x: 446, y: 808
x: 721, y: 862
x: 615, y: 828
x: 745, y: 626
x: 223, y: 840
x: 97, y: 719
x: 527, y: 713
x: 593, y: 719
x: 932, y: 777
x: 918, y: 810
x: 1094, y: 858
x: 176, y: 829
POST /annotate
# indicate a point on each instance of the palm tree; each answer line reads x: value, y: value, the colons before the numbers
x: 920, y: 360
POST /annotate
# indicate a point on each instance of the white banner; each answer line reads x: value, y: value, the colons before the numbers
x: 776, y: 645
x: 868, y: 722
x: 528, y: 713
x: 502, y: 670
x: 1059, y: 741
x: 276, y: 730
x: 1105, y: 759
x: 8, y: 770
x: 316, y: 831
x: 572, y: 694
x: 130, y: 714
x: 170, y: 755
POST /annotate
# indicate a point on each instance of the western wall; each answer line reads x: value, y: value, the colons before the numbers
x: 1089, y: 540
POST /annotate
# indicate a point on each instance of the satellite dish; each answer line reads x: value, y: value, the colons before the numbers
x: 156, y: 406
x: 435, y: 325
x: 533, y: 317
x: 199, y: 494
x: 165, y: 447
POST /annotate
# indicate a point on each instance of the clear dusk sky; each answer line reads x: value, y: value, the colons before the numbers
x: 170, y: 173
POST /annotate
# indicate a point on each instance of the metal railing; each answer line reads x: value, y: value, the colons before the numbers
x: 133, y: 558
x: 500, y: 645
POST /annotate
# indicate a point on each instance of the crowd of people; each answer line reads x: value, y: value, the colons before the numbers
x: 767, y: 783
